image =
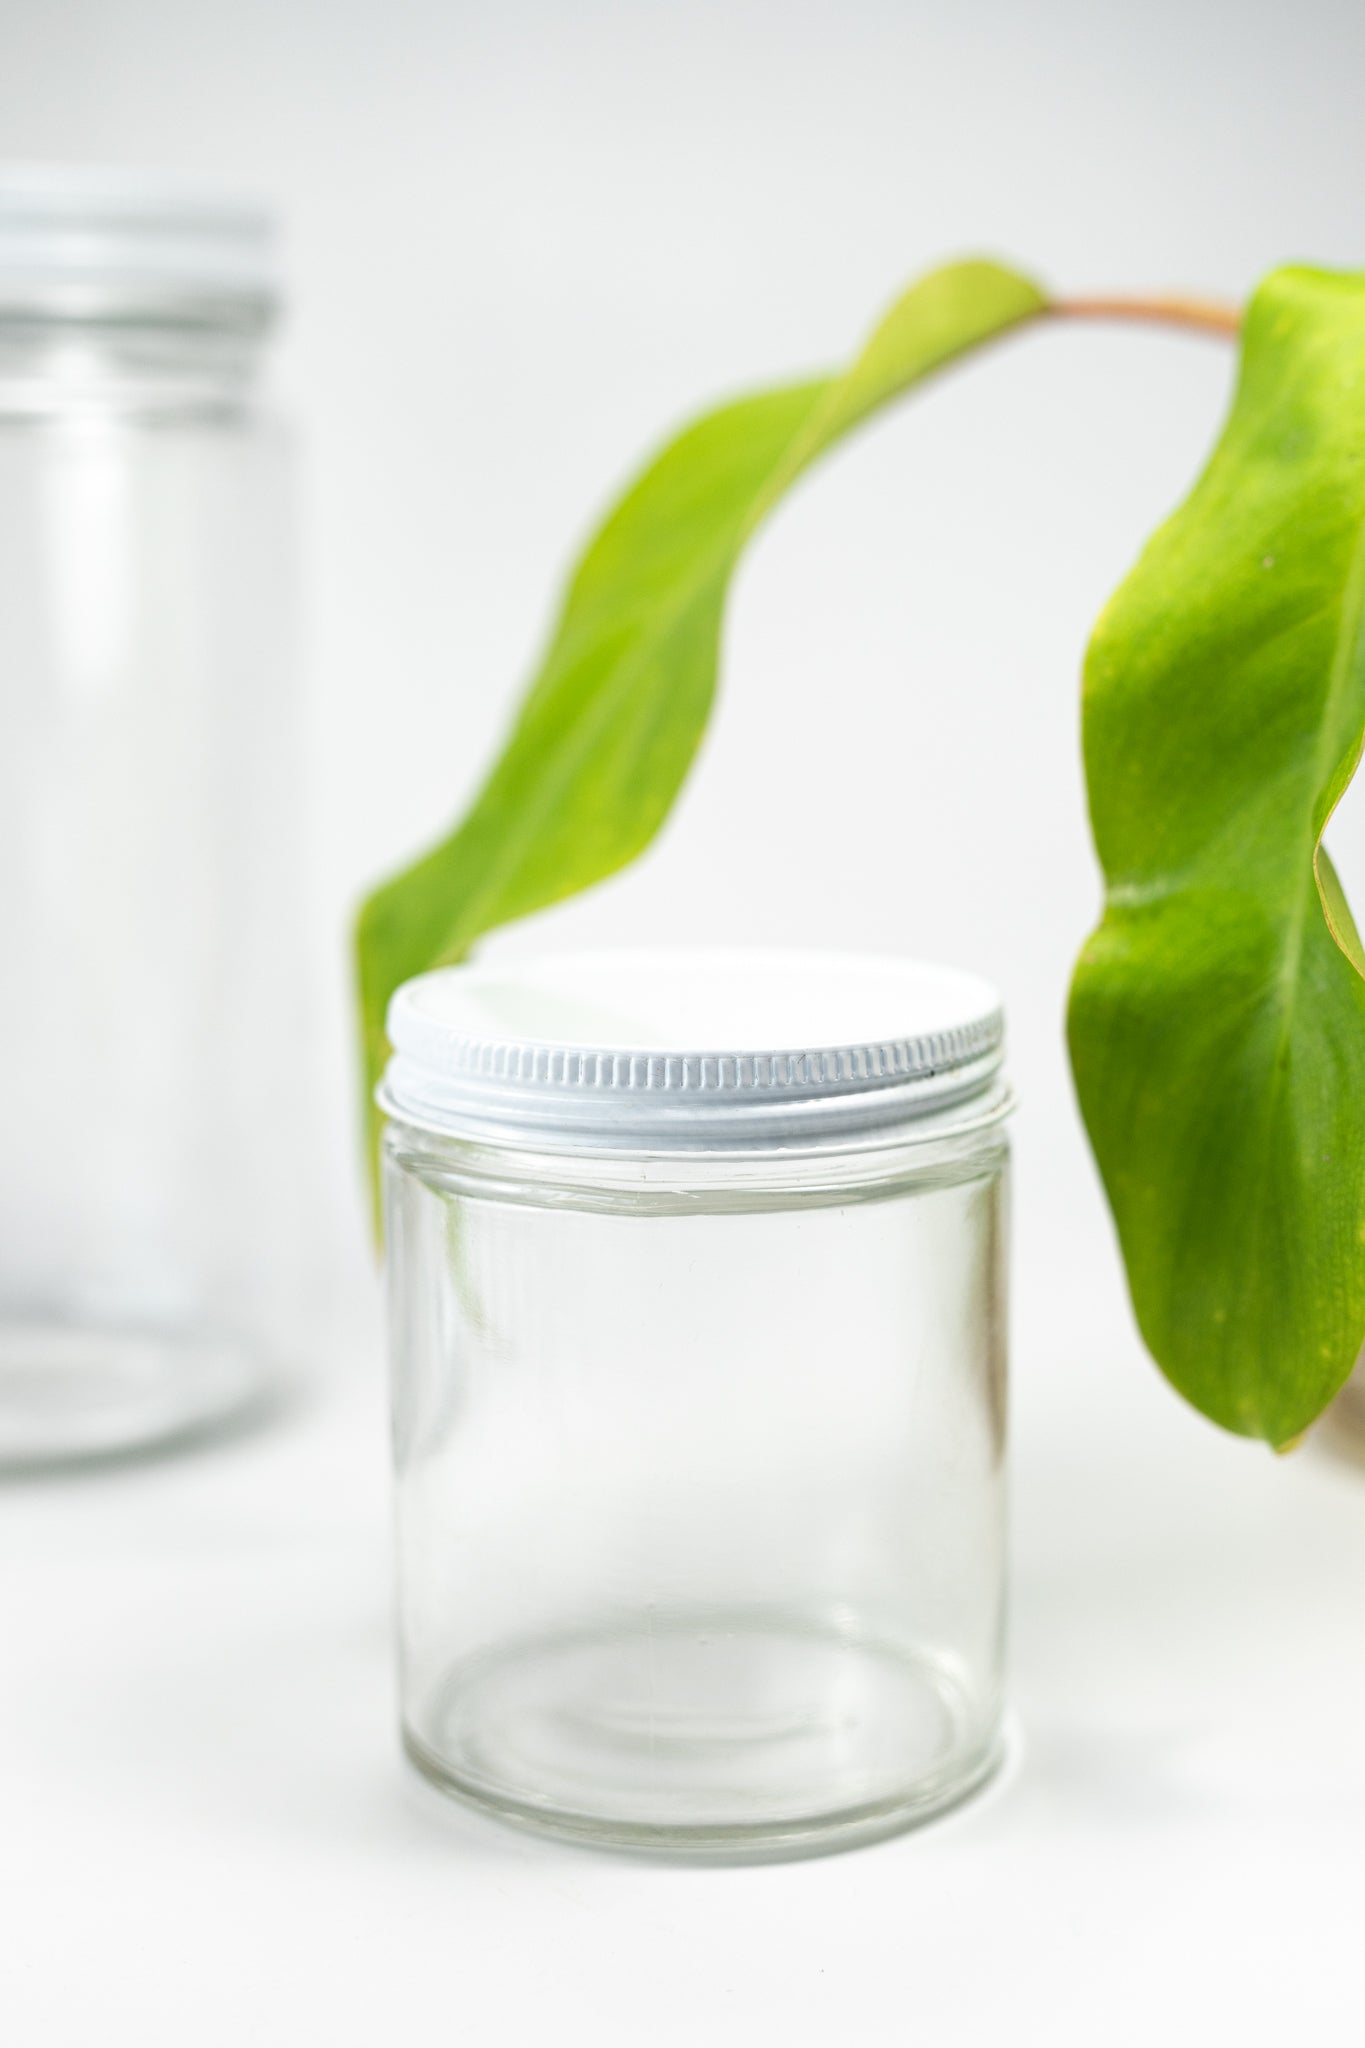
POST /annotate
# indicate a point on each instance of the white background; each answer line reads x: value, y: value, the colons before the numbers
x: 523, y: 242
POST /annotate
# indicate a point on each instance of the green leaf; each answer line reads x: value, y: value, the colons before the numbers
x: 1217, y: 1017
x: 614, y: 717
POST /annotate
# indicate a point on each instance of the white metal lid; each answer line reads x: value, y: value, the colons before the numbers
x: 89, y: 243
x: 686, y: 1050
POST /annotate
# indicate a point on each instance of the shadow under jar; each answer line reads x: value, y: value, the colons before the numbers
x: 696, y: 1269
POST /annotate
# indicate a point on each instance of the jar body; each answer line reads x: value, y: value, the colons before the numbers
x: 701, y: 1487
x: 149, y: 899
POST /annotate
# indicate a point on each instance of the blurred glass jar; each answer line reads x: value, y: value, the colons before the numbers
x: 150, y: 919
x: 697, y: 1296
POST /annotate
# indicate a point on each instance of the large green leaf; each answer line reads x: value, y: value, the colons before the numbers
x: 613, y: 719
x: 1217, y: 1017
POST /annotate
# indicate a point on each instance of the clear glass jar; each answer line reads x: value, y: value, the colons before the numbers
x: 150, y: 914
x: 696, y: 1272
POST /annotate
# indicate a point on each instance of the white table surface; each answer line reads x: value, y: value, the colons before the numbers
x: 207, y: 1834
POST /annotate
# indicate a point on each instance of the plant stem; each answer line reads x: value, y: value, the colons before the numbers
x: 1203, y: 316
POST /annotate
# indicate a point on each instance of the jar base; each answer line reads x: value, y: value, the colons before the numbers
x: 73, y: 1394
x: 714, y: 1735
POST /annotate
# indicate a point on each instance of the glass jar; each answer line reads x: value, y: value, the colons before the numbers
x: 696, y: 1272
x: 150, y: 916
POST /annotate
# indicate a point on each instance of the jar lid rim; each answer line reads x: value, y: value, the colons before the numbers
x: 95, y: 243
x: 684, y: 1049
